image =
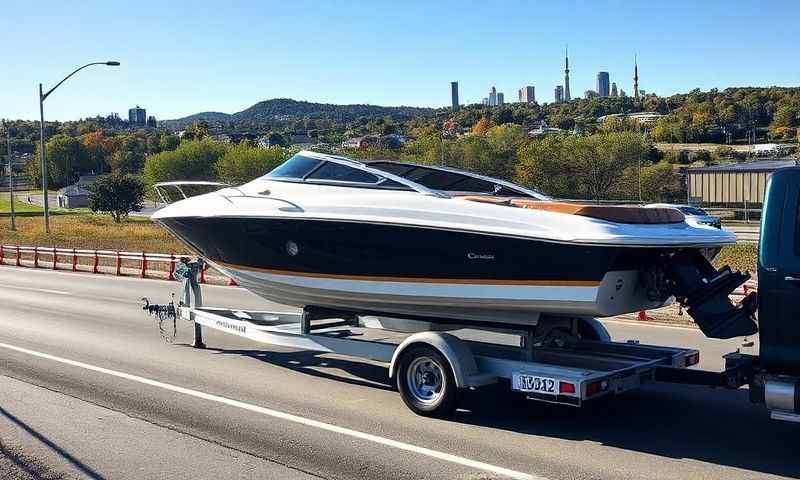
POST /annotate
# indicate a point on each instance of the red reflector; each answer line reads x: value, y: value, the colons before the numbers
x: 564, y: 387
x: 596, y: 387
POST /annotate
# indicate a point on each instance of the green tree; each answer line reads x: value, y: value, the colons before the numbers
x: 128, y: 155
x: 66, y: 160
x: 192, y: 160
x: 242, y: 163
x: 587, y: 167
x: 169, y: 142
x: 116, y: 194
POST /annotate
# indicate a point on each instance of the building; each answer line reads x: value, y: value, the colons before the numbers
x: 454, y: 95
x: 527, y: 95
x: 734, y: 184
x: 603, y: 87
x: 501, y: 99
x: 77, y: 194
x: 646, y: 120
x: 152, y: 122
x: 559, y: 94
x: 484, y: 101
x: 492, y: 97
x: 543, y: 130
x: 614, y: 89
x: 567, y: 97
x: 635, y: 77
x: 622, y: 93
x: 590, y: 94
x: 137, y: 116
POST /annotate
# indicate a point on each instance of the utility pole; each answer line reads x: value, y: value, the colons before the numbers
x: 10, y: 178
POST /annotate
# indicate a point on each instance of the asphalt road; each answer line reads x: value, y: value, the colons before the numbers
x: 89, y: 390
x: 745, y: 233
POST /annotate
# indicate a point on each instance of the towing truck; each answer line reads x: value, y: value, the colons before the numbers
x: 566, y: 361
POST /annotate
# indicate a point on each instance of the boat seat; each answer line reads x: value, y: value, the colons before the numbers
x: 610, y: 213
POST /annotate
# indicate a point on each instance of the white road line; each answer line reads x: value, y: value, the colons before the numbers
x: 447, y: 457
x: 29, y: 289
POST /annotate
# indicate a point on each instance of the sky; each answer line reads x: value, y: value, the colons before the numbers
x: 181, y: 57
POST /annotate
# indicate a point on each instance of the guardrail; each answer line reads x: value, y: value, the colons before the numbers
x: 52, y: 257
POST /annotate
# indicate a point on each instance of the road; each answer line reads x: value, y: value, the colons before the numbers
x: 745, y: 233
x: 87, y: 388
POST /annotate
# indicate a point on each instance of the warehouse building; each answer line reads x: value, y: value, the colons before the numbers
x: 734, y: 185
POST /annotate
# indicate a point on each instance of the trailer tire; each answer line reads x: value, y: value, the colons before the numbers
x: 426, y: 382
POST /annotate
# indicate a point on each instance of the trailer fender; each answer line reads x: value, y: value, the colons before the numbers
x: 600, y: 331
x: 457, y: 353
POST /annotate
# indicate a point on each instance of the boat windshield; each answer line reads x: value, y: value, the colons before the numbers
x: 303, y: 168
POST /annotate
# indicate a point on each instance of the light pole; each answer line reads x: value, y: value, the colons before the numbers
x: 10, y: 178
x: 42, y: 97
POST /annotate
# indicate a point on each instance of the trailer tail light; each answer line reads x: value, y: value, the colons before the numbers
x: 692, y: 359
x: 596, y: 387
x: 564, y: 387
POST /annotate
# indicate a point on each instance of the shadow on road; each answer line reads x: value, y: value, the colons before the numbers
x: 694, y: 423
x: 85, y: 469
x: 681, y: 422
x: 315, y: 364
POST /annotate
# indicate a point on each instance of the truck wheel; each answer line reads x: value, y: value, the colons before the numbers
x: 426, y: 383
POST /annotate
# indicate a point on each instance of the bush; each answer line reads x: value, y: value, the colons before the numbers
x: 242, y: 163
x: 116, y: 194
x: 192, y: 160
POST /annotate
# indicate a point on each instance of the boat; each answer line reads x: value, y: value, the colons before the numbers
x: 445, y: 245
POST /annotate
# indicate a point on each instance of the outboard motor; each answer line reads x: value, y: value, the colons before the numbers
x: 704, y: 291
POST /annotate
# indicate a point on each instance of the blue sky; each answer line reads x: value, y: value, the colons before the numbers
x: 180, y: 58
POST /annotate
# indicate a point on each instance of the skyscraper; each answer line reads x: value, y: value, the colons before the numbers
x: 500, y: 98
x: 492, y: 97
x: 635, y: 77
x: 454, y: 95
x: 602, y: 84
x: 559, y: 94
x: 137, y: 116
x: 614, y: 89
x: 527, y: 94
x: 566, y: 74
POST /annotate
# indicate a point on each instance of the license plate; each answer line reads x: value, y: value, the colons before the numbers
x: 532, y: 383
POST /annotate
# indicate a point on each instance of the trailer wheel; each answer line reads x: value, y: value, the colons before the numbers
x: 426, y: 383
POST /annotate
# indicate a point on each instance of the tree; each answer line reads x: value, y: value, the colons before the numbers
x: 276, y: 139
x: 66, y: 159
x: 481, y: 127
x: 129, y: 153
x: 192, y: 160
x: 242, y: 163
x: 169, y: 142
x: 116, y: 194
x: 97, y: 147
x: 588, y: 167
x: 200, y: 129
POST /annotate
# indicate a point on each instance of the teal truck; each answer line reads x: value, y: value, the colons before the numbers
x: 774, y: 374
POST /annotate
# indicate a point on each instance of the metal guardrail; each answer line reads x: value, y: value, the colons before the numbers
x: 52, y: 255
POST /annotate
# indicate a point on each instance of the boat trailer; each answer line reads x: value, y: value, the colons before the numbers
x: 430, y: 368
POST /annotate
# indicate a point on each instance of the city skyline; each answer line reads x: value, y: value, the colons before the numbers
x: 221, y: 75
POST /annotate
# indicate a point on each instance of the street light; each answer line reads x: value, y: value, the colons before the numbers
x: 42, y: 98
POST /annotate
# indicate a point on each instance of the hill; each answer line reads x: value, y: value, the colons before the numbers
x: 269, y: 113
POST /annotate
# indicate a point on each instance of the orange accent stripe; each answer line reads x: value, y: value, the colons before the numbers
x: 457, y: 281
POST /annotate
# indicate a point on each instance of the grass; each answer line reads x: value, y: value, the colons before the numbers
x: 19, y: 207
x: 88, y: 231
x: 742, y: 256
